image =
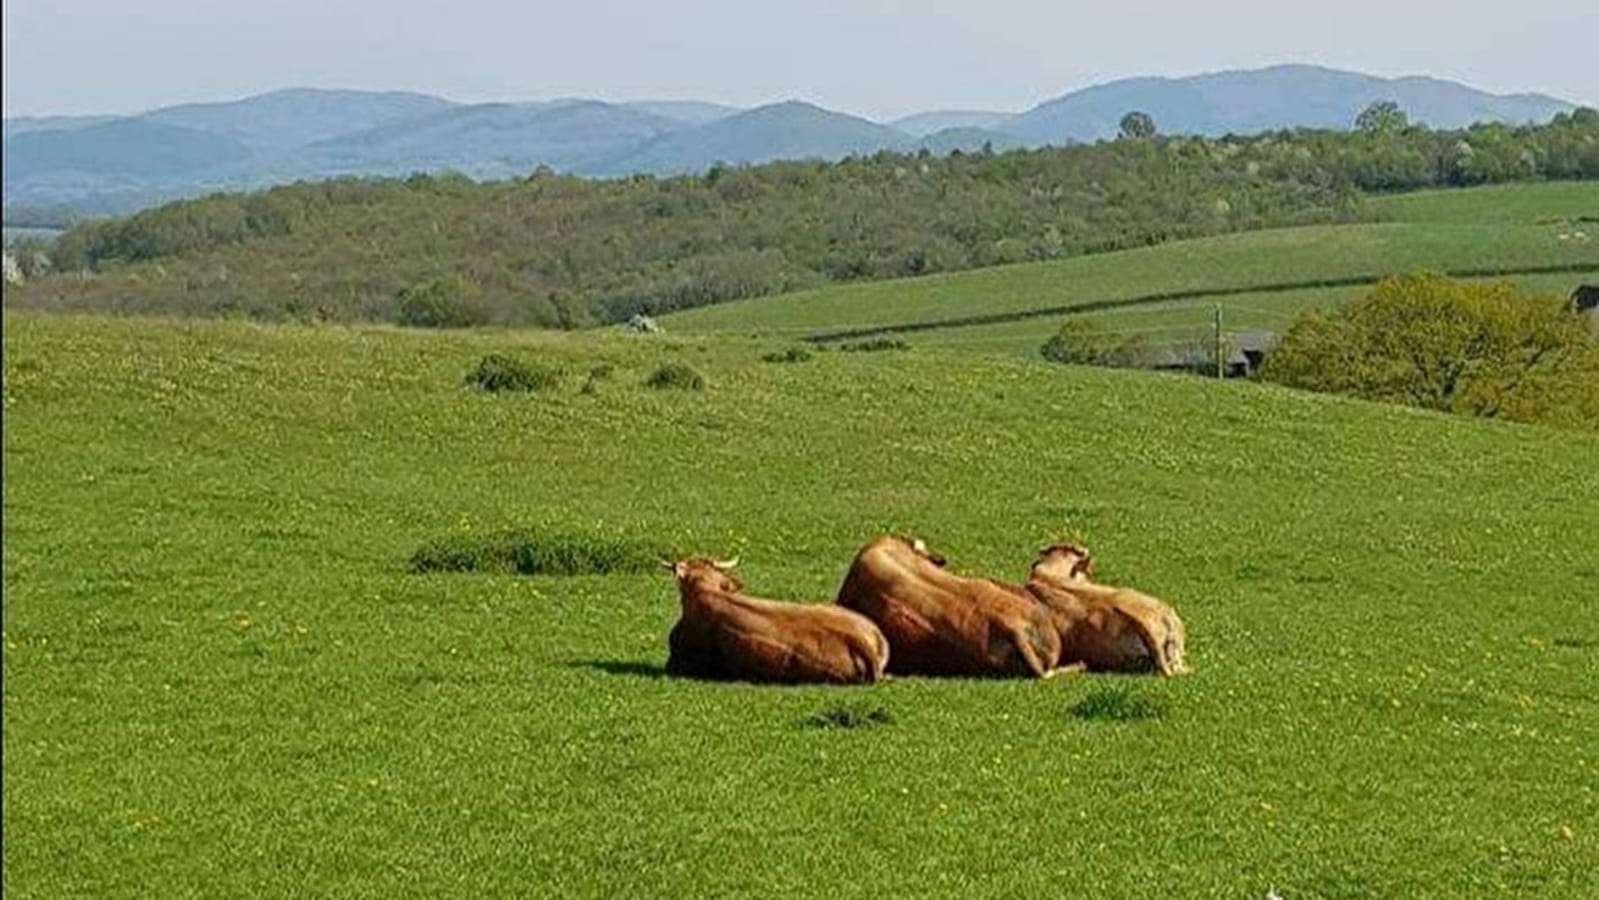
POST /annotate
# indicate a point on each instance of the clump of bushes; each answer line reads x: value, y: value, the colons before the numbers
x: 791, y: 355
x: 452, y: 302
x: 496, y: 372
x: 843, y: 716
x: 1080, y: 342
x: 676, y: 376
x: 1472, y: 348
x: 534, y: 552
x: 874, y: 345
x: 1117, y: 705
x: 596, y: 375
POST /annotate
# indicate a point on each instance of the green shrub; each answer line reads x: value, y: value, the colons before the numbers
x: 597, y: 374
x: 442, y: 303
x: 1471, y: 348
x: 1117, y: 705
x: 1081, y: 342
x: 496, y: 373
x: 675, y: 376
x: 874, y: 345
x: 534, y: 552
x: 791, y: 355
x: 844, y: 716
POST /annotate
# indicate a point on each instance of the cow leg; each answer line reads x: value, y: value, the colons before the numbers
x: 1027, y: 646
x: 1076, y: 668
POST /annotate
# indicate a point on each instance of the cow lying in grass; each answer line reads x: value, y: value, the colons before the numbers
x: 939, y: 623
x: 724, y: 634
x: 1103, y: 628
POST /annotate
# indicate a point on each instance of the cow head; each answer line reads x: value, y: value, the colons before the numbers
x: 704, y: 571
x: 919, y: 546
x: 1064, y: 562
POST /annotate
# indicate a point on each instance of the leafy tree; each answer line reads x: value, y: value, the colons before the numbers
x: 1425, y: 340
x: 1382, y: 117
x: 1137, y: 126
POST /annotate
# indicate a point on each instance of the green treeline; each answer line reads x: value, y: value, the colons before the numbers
x: 564, y: 251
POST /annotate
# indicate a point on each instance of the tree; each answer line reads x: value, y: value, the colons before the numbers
x: 1382, y: 117
x: 1137, y: 126
x: 1480, y: 349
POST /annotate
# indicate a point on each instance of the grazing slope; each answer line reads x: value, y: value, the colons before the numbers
x: 221, y: 680
x: 1510, y: 228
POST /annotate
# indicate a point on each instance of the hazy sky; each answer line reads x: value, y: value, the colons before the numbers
x: 879, y: 58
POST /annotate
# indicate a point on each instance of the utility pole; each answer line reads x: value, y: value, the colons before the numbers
x: 1220, y: 370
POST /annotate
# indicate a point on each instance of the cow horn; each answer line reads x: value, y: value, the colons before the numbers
x: 666, y: 563
x: 725, y: 564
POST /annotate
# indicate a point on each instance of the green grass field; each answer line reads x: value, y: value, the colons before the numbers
x: 220, y: 679
x: 1513, y: 227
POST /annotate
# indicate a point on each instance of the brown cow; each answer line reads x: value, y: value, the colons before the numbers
x: 724, y: 634
x: 939, y: 623
x: 1106, y: 629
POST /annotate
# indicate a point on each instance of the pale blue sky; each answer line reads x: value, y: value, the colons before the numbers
x: 879, y: 58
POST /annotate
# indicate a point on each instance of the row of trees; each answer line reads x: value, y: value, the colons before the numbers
x: 564, y: 251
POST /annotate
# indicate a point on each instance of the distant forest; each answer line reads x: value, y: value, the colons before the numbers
x: 562, y: 251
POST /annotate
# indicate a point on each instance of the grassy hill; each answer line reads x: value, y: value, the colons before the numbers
x: 1507, y: 228
x: 221, y: 680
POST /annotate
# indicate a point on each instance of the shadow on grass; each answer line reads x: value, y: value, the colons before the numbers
x: 628, y: 667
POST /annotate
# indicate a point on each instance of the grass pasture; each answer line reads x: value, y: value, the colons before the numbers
x: 1514, y: 228
x: 221, y: 678
x: 1178, y: 321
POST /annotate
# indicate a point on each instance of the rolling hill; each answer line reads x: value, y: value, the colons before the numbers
x: 924, y: 124
x: 287, y: 119
x: 120, y: 148
x: 494, y: 139
x: 25, y: 124
x: 1247, y: 102
x: 788, y: 130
